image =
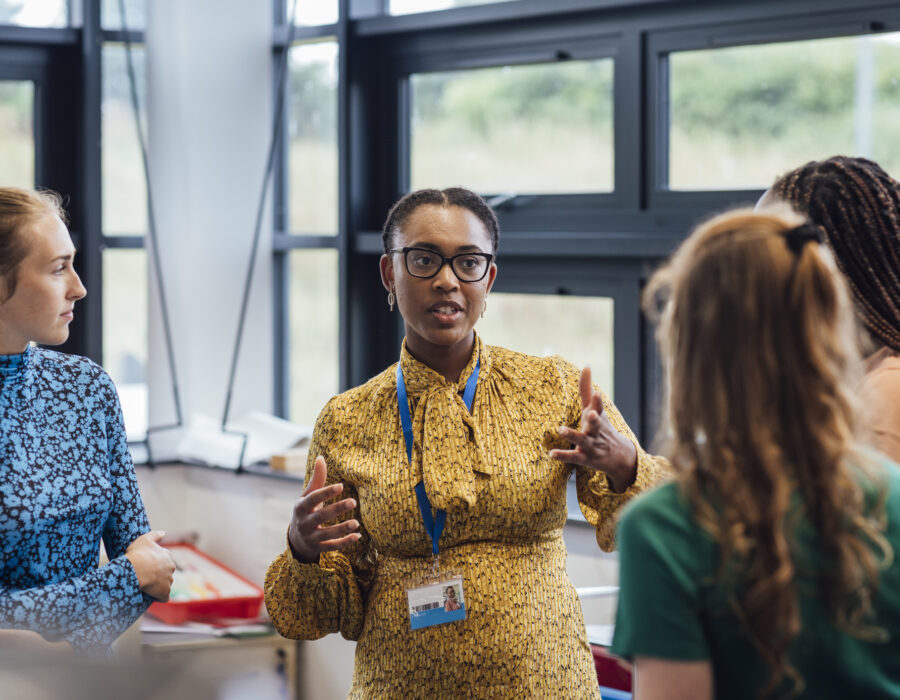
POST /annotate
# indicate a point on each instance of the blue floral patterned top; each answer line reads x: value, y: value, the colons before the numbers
x: 66, y: 480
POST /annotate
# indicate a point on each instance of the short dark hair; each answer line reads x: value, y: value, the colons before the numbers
x: 857, y: 204
x: 452, y: 196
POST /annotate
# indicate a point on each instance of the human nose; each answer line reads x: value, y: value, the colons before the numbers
x: 446, y: 277
x: 76, y: 288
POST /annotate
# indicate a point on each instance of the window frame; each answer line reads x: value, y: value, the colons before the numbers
x: 609, y: 241
x: 284, y: 241
x: 523, y: 208
x: 612, y: 243
x: 824, y: 24
x: 30, y: 64
x: 565, y: 275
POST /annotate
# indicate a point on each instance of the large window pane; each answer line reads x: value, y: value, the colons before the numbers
x: 515, y: 129
x: 742, y: 116
x: 405, y: 7
x: 312, y: 129
x: 135, y: 15
x: 34, y: 13
x: 313, y: 12
x: 578, y: 328
x: 125, y: 332
x: 313, y: 313
x: 17, y: 133
x: 124, y: 188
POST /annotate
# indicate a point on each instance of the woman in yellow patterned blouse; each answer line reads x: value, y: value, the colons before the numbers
x: 499, y: 473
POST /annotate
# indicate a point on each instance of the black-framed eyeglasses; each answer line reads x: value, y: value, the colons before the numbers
x: 425, y: 263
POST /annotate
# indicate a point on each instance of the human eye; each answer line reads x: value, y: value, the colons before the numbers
x: 470, y: 262
x: 422, y: 258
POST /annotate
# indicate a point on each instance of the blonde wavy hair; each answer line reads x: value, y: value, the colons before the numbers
x: 760, y: 348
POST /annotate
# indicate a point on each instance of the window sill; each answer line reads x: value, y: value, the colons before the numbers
x: 253, y: 469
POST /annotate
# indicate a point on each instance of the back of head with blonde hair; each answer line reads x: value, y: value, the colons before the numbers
x: 19, y: 209
x: 760, y: 348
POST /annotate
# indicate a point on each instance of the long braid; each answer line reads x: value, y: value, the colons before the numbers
x: 858, y: 206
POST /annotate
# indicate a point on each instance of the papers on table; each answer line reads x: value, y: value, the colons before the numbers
x: 601, y: 635
x: 223, y: 628
x: 204, y: 440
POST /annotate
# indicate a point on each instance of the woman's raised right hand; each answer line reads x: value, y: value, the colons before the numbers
x: 152, y: 564
x: 306, y: 534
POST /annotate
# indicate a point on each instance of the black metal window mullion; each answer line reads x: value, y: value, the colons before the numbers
x: 89, y: 194
x: 284, y: 241
x: 345, y: 51
x: 281, y: 346
x: 628, y: 119
x: 122, y: 242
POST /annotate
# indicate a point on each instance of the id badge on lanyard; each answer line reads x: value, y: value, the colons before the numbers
x: 438, y: 597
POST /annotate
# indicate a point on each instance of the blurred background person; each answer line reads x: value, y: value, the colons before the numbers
x: 857, y: 206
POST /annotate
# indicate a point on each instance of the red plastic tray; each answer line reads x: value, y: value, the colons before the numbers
x: 612, y: 671
x: 176, y: 612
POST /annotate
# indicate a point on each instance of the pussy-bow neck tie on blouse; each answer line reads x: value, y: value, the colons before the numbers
x: 446, y: 439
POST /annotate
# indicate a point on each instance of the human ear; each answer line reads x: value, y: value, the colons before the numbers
x: 386, y: 266
x: 491, y: 276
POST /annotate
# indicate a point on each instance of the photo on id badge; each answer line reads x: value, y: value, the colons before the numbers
x: 436, y: 603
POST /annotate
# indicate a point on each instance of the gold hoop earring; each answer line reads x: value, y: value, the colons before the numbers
x: 484, y: 308
x: 391, y: 299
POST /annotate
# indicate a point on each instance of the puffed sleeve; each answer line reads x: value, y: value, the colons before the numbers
x: 599, y: 504
x: 308, y: 601
x: 92, y: 610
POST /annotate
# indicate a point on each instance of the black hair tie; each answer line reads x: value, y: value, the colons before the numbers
x: 798, y: 237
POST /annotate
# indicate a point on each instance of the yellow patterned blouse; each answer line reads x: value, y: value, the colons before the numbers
x: 505, y: 499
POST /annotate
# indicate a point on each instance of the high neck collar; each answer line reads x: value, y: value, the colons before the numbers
x: 443, y: 425
x: 419, y: 376
x: 14, y: 367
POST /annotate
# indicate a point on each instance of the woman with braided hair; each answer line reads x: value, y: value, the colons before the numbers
x: 857, y: 206
x: 769, y: 567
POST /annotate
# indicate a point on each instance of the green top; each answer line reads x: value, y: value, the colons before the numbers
x: 671, y: 608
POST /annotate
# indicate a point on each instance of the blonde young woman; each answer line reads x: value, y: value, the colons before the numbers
x: 66, y: 477
x: 768, y: 567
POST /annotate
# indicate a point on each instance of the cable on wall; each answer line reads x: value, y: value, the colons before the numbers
x: 267, y: 177
x: 245, y: 297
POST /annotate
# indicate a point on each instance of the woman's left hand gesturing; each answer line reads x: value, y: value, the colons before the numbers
x: 598, y: 445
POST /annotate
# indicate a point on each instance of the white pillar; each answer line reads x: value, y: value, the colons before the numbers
x: 209, y: 110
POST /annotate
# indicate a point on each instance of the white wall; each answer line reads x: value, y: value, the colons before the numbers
x: 209, y: 107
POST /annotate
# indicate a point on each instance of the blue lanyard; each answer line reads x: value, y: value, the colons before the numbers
x: 434, y: 525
